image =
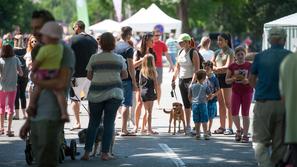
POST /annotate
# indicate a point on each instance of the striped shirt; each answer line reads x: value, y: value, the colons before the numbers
x: 106, y: 83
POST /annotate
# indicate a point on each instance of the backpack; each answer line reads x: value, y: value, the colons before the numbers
x: 201, y: 59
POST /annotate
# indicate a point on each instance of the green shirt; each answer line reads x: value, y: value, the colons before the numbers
x: 288, y: 89
x: 47, y: 105
x: 50, y: 56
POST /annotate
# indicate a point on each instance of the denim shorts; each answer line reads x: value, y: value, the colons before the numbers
x: 200, y: 114
x: 160, y: 74
x: 212, y: 109
x: 128, y: 93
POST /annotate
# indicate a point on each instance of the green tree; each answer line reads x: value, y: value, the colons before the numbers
x: 15, y: 12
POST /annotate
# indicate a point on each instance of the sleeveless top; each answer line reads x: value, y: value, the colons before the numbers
x: 147, y: 87
x: 186, y: 65
x: 221, y: 57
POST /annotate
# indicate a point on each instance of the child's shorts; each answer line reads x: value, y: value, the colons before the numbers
x: 212, y: 109
x: 46, y: 74
x: 200, y: 113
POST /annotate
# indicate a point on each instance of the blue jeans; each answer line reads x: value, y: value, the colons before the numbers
x: 109, y: 107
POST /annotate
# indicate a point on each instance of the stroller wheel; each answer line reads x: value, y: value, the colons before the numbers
x: 29, y: 158
x: 73, y: 149
x: 62, y: 154
x: 28, y: 153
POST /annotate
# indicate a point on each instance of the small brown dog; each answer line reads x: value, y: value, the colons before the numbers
x: 176, y: 114
x: 99, y: 140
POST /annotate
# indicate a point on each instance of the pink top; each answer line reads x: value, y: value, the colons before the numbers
x: 244, y: 70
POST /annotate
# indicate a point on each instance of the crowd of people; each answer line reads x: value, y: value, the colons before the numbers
x: 106, y: 71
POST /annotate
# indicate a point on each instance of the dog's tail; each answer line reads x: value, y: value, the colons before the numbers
x: 167, y: 112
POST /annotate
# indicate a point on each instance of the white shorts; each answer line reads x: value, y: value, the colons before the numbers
x: 80, y: 89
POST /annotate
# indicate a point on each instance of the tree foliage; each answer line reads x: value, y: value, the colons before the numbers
x: 234, y: 16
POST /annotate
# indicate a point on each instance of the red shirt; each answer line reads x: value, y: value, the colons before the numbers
x: 159, y: 48
x: 241, y: 69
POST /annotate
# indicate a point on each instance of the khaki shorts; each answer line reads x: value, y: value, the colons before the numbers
x: 268, y: 127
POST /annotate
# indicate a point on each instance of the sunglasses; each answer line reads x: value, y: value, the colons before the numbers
x: 33, y: 41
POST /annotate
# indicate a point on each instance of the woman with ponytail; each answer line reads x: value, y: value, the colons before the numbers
x: 224, y: 56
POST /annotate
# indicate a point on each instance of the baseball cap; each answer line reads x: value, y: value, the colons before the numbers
x: 52, y: 29
x: 184, y: 37
x: 277, y: 32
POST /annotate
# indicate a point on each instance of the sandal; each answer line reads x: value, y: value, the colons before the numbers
x: 238, y: 135
x: 228, y: 131
x: 128, y: 134
x: 106, y: 157
x: 1, y: 131
x: 198, y: 137
x: 219, y: 131
x: 245, y: 139
x: 10, y: 134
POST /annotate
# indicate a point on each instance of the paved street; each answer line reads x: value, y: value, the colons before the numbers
x: 163, y: 150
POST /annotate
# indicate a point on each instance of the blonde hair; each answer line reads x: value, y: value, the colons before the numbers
x: 148, y: 68
x: 29, y: 44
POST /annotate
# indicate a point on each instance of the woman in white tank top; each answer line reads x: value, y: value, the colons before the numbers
x: 185, y: 70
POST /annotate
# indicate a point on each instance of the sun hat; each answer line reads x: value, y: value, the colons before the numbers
x: 184, y: 37
x: 52, y: 29
x: 277, y: 32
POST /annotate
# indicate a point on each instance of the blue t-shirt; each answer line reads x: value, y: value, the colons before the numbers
x: 266, y: 67
x: 213, y: 84
x: 199, y: 93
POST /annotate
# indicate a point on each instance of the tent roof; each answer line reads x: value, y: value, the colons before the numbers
x: 145, y: 20
x: 290, y: 20
x: 155, y: 12
x: 106, y: 25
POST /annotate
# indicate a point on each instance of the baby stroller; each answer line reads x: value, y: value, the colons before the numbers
x: 65, y: 150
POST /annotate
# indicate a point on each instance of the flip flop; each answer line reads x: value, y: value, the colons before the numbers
x: 75, y: 127
x: 128, y: 134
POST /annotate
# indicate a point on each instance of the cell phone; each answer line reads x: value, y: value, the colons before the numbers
x: 172, y: 94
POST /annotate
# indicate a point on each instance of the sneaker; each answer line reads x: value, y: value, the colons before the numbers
x: 198, y: 137
x: 188, y: 131
x: 206, y: 136
x: 220, y: 130
x: 228, y: 132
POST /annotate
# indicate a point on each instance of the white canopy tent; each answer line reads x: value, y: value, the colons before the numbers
x: 106, y: 25
x: 146, y: 20
x: 289, y: 23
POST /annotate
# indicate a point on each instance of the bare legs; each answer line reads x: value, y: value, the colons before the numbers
x: 75, y: 105
x: 125, y: 115
x: 148, y: 106
x: 188, y: 117
x: 224, y: 99
x: 137, y: 110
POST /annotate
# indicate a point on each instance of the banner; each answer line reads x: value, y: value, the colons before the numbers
x: 82, y: 11
x: 118, y: 9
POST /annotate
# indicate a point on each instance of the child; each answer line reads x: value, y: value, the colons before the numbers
x: 198, y: 94
x: 10, y: 67
x: 148, y: 89
x: 213, y: 84
x: 242, y: 92
x: 46, y: 66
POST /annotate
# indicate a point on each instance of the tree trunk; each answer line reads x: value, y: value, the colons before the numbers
x: 183, y: 15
